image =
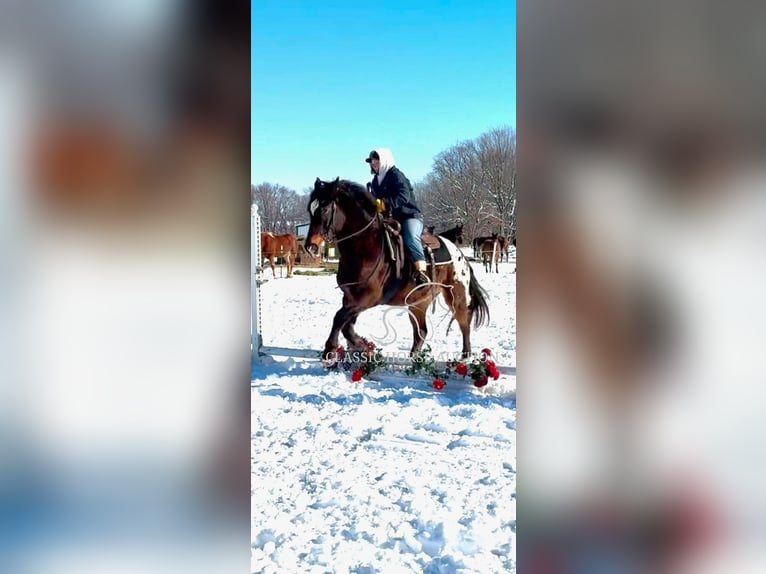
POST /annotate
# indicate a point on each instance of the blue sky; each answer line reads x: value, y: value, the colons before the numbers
x: 332, y: 80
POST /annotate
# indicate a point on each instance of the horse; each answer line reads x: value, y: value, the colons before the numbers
x: 341, y: 210
x: 505, y: 246
x: 455, y: 235
x: 490, y: 251
x: 479, y: 241
x: 284, y: 245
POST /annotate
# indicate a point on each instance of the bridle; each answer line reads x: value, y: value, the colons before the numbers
x: 330, y: 233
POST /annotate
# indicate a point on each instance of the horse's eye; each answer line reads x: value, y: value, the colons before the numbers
x: 313, y: 206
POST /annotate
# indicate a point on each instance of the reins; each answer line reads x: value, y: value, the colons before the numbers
x: 381, y: 255
x: 374, y: 217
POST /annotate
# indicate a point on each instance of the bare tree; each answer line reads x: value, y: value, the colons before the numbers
x: 452, y: 191
x: 281, y: 208
x: 474, y: 181
x: 497, y: 157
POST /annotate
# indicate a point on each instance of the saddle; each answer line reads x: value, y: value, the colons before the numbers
x: 395, y: 250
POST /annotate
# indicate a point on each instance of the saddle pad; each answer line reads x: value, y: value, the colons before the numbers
x: 441, y: 253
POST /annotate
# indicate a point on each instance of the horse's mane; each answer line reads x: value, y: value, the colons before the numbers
x: 354, y: 191
x: 359, y: 193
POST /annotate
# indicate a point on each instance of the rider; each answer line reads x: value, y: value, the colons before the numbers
x: 393, y: 187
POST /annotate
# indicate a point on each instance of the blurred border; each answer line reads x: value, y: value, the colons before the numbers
x: 125, y: 283
x: 640, y: 286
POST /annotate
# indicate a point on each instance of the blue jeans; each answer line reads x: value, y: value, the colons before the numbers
x: 411, y: 230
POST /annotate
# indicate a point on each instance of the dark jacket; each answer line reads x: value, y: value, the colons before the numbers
x: 396, y: 191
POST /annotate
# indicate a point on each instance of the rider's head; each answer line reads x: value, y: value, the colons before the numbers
x: 374, y: 160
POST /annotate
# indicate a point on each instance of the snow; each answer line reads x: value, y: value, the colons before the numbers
x: 385, y: 475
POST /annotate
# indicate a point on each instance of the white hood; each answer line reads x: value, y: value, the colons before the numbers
x: 386, y: 162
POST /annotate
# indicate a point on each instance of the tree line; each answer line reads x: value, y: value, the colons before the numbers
x: 473, y: 183
x: 280, y: 208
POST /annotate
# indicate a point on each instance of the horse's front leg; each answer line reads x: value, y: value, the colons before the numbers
x: 351, y: 335
x: 339, y: 322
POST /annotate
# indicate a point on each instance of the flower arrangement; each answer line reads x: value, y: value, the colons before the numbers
x: 423, y: 362
x: 480, y: 368
x: 363, y: 362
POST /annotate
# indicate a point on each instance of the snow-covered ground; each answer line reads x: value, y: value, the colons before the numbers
x: 385, y: 475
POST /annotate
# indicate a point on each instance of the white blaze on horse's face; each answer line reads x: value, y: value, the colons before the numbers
x: 313, y: 207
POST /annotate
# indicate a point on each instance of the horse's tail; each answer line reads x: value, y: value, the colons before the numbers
x: 478, y: 307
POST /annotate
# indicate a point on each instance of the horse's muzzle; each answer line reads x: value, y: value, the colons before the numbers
x: 313, y: 243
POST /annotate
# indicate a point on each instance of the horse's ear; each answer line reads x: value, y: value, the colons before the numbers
x: 337, y: 179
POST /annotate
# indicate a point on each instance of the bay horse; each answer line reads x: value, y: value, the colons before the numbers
x: 479, y: 241
x: 344, y: 213
x: 491, y: 251
x: 505, y: 247
x: 455, y: 235
x: 284, y: 245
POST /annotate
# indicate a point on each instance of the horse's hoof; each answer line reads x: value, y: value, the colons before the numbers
x: 330, y: 359
x: 329, y: 364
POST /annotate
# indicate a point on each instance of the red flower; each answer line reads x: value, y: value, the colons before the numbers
x: 486, y: 353
x: 461, y: 369
x: 357, y: 374
x: 370, y: 345
x: 493, y: 372
x: 438, y: 384
x: 481, y: 381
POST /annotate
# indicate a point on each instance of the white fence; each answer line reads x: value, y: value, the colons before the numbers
x: 256, y: 278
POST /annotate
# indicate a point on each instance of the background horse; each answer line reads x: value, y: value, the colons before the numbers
x: 490, y: 251
x: 455, y: 235
x: 341, y: 210
x: 284, y: 245
x: 479, y: 241
x: 505, y: 247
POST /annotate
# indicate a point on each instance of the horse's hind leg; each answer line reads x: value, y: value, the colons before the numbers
x: 456, y: 299
x: 417, y: 316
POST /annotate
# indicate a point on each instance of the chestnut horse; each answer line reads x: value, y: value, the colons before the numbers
x: 344, y: 213
x: 285, y: 246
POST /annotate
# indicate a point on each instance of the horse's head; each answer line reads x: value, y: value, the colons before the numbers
x: 459, y: 233
x: 332, y: 205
